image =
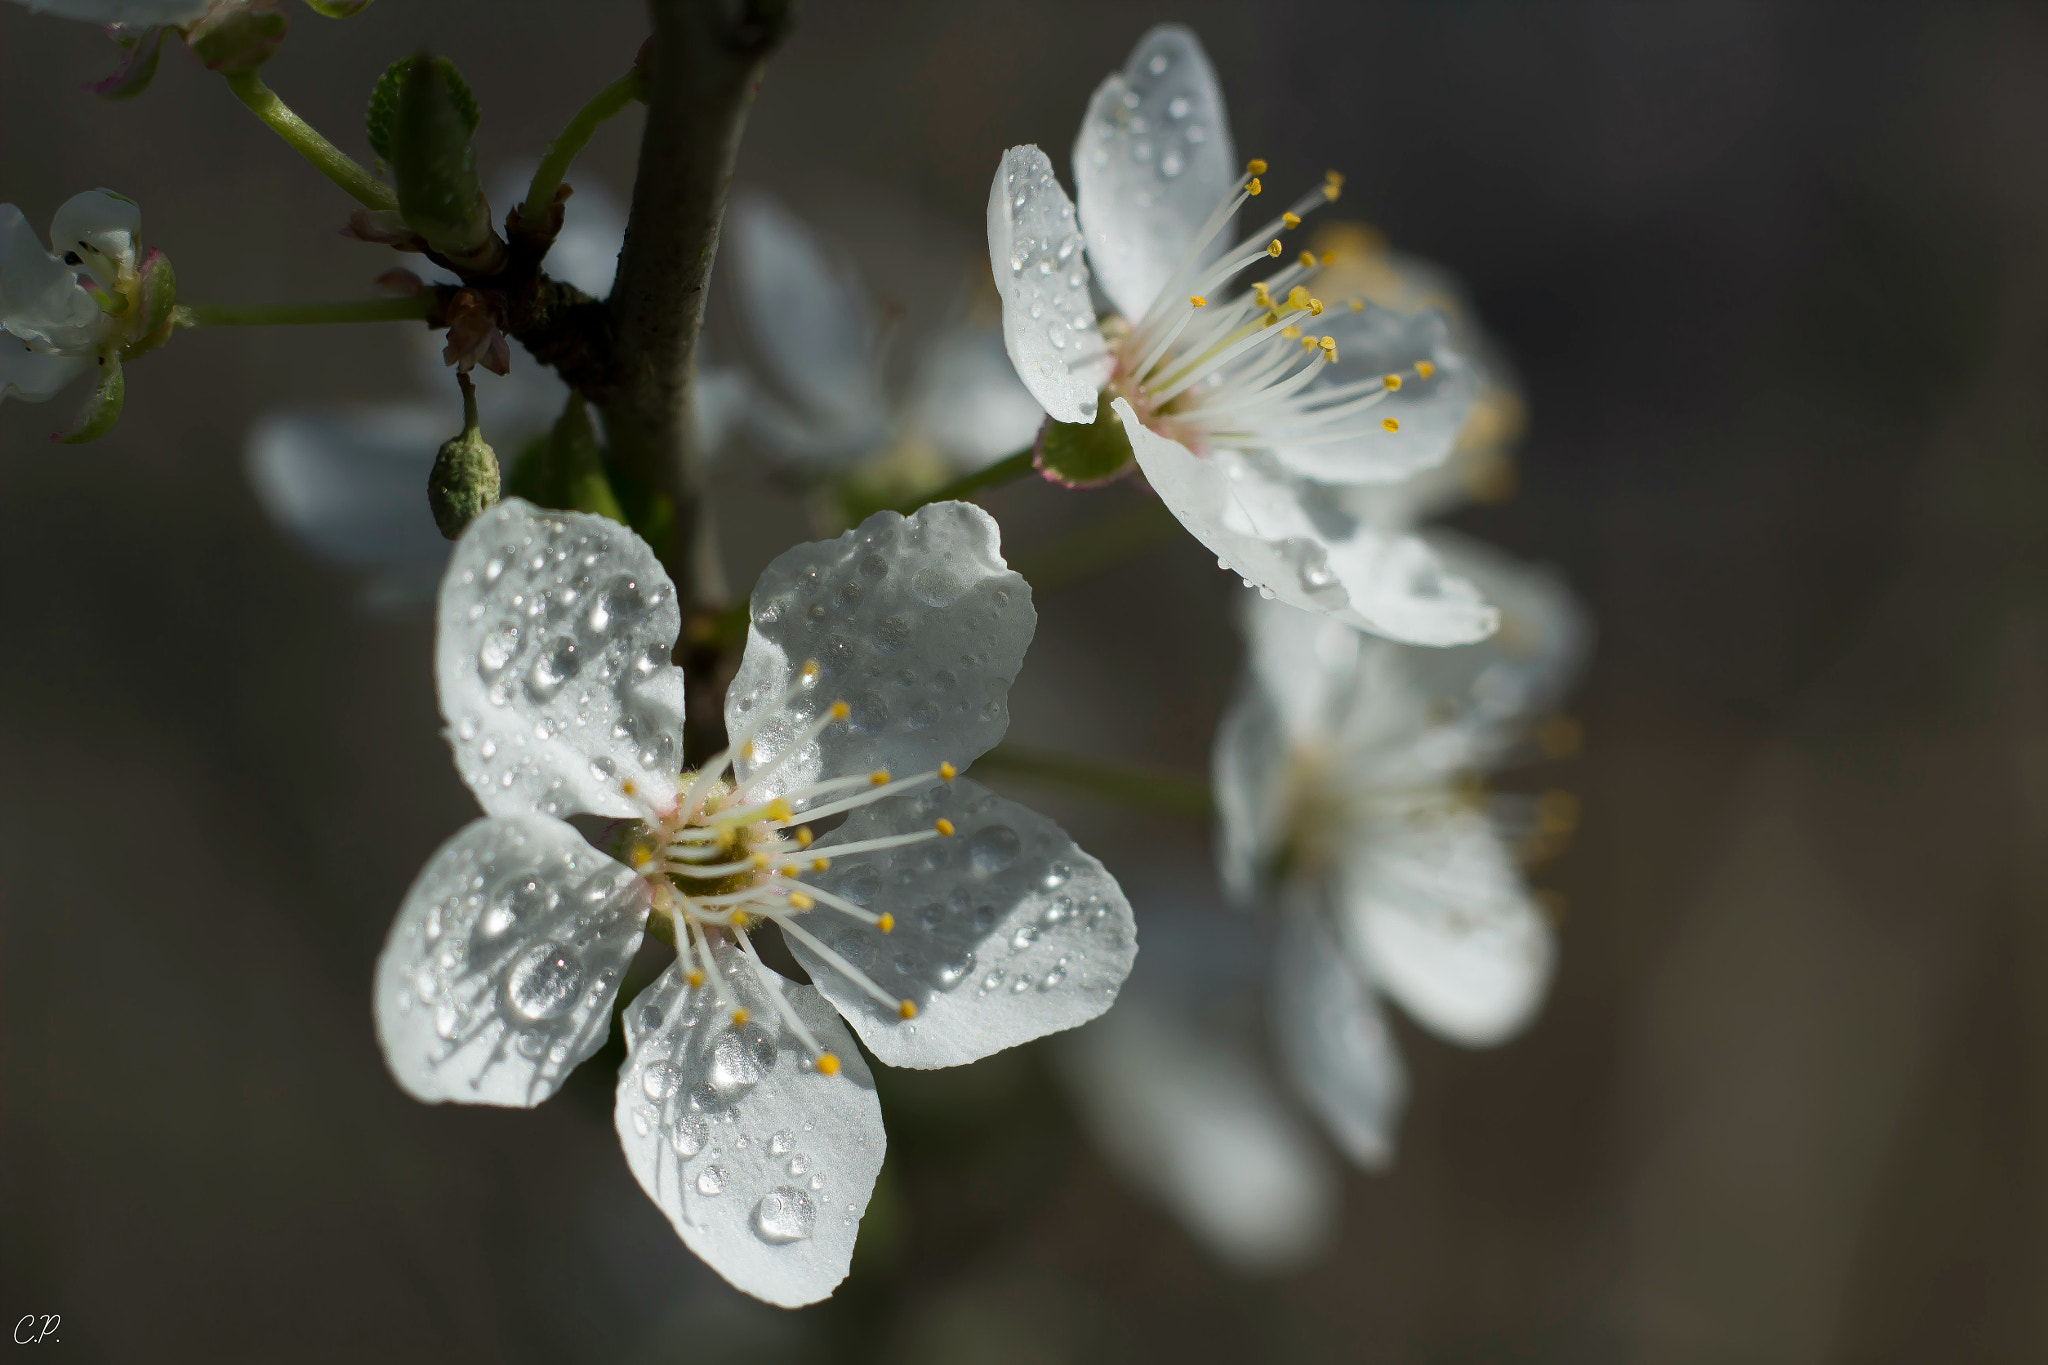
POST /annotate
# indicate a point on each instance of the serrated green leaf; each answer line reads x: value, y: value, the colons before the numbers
x: 433, y: 161
x: 383, y: 110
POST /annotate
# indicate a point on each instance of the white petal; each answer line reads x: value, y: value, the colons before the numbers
x: 350, y: 484
x: 1334, y: 1041
x: 1438, y: 913
x: 808, y: 319
x: 722, y: 394
x: 1429, y: 412
x: 1260, y: 528
x: 1004, y: 932
x: 763, y: 1165
x: 41, y: 301
x: 1153, y: 160
x: 32, y: 376
x: 498, y: 975
x: 1190, y: 1121
x: 552, y: 656
x: 1041, y: 271
x: 915, y: 622
x: 968, y: 401
x: 123, y: 11
x: 1307, y: 664
x: 1249, y: 761
x: 103, y: 228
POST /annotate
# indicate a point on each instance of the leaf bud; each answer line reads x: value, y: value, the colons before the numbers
x: 426, y: 138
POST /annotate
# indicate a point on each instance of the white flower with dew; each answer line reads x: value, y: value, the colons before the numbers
x: 1245, y: 407
x: 823, y: 406
x: 941, y: 921
x: 1344, y: 780
x: 66, y: 309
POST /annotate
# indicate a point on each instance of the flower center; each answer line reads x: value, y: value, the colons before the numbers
x: 725, y: 857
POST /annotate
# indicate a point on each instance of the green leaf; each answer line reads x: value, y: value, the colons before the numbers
x: 1081, y: 456
x: 565, y: 468
x: 338, y: 9
x: 103, y: 409
x: 383, y: 110
x: 433, y: 162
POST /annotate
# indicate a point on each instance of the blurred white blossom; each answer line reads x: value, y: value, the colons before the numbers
x: 1249, y: 411
x: 68, y: 309
x: 941, y: 921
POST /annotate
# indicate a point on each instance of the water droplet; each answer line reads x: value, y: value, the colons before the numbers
x: 735, y: 1066
x: 993, y: 849
x: 780, y: 1144
x: 785, y: 1214
x: 1157, y: 66
x: 798, y: 1165
x: 953, y: 972
x: 1172, y: 164
x: 1021, y: 984
x: 557, y: 664
x: 689, y: 1135
x: 660, y: 1080
x: 544, y: 982
x: 936, y: 586
x: 710, y: 1181
x: 496, y: 651
x: 892, y: 634
x: 1026, y: 935
x: 1177, y: 107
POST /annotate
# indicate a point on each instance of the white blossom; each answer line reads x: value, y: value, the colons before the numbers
x: 941, y: 921
x: 823, y: 405
x: 1249, y: 410
x: 67, y: 308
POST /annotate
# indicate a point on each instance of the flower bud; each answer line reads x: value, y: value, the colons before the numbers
x: 1081, y: 456
x: 433, y: 162
x: 237, y: 35
x: 464, y: 481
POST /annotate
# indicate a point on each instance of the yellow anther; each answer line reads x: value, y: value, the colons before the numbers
x: 803, y: 836
x: 1392, y: 381
x: 642, y: 855
x: 759, y: 860
x: 1333, y: 177
x: 747, y: 751
x: 1290, y: 220
x: 1330, y: 193
x: 947, y: 772
x: 786, y: 870
x: 827, y: 1064
x: 799, y: 901
x: 740, y: 1016
x: 907, y: 1009
x: 741, y: 919
x: 840, y: 710
x: 820, y: 864
x: 1270, y: 320
x: 1424, y: 369
x: 1358, y: 305
x: 1390, y: 424
x: 879, y: 777
x: 1290, y: 331
x: 1198, y: 301
x: 1328, y: 258
x: 1254, y: 187
x: 778, y: 809
x: 809, y: 670
x: 943, y: 826
x: 628, y: 787
x: 1297, y: 297
x: 1256, y: 166
x: 695, y: 978
x: 1329, y: 345
x: 885, y: 922
x: 1315, y: 308
x: 1306, y: 260
x: 1273, y: 248
x: 1265, y: 300
x: 1309, y: 343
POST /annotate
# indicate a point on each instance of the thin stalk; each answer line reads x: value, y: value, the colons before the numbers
x: 554, y: 163
x: 1009, y: 469
x: 327, y: 158
x: 1126, y: 784
x: 411, y: 309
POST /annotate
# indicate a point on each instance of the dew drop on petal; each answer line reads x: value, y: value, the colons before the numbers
x: 993, y: 849
x: 711, y: 1181
x: 785, y: 1214
x: 544, y: 982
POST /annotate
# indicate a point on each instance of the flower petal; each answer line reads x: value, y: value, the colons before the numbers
x: 34, y: 377
x: 555, y: 630
x: 348, y: 483
x: 103, y: 228
x: 1152, y: 161
x: 1525, y: 667
x: 1190, y: 1121
x: 809, y: 321
x: 1249, y: 760
x: 1041, y: 271
x: 41, y: 301
x: 498, y: 975
x: 914, y: 621
x: 1437, y: 912
x: 123, y: 11
x: 1428, y: 412
x: 1004, y: 932
x: 1260, y: 527
x: 763, y: 1164
x: 1334, y: 1042
x: 966, y: 399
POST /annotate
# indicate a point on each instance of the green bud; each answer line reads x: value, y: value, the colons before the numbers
x: 338, y: 9
x: 464, y: 481
x: 433, y: 161
x: 1079, y: 456
x: 565, y: 468
x: 103, y: 409
x: 237, y: 35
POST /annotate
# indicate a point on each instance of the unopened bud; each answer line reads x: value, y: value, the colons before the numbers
x: 464, y: 482
x: 237, y: 36
x: 433, y: 163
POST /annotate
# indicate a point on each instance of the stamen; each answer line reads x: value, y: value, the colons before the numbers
x: 841, y: 965
x: 837, y: 711
x: 771, y: 983
x: 875, y: 793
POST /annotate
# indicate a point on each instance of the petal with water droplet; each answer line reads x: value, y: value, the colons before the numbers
x: 498, y: 974
x: 1041, y: 271
x: 1333, y: 1041
x: 1004, y: 932
x: 552, y: 657
x: 915, y: 622
x: 699, y: 1102
x: 1428, y: 412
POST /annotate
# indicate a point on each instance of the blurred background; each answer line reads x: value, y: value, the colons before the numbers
x: 1775, y: 278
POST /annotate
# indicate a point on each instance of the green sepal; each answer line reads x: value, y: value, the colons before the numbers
x: 151, y: 326
x: 237, y: 36
x: 103, y: 409
x: 1081, y: 456
x: 565, y: 468
x: 137, y: 69
x: 464, y: 482
x: 338, y: 9
x: 433, y: 161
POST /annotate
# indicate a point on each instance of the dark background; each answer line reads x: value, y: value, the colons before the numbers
x: 1777, y: 281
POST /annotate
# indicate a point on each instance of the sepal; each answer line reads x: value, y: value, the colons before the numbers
x: 1084, y: 454
x: 237, y: 36
x: 103, y: 409
x: 140, y: 51
x: 158, y: 298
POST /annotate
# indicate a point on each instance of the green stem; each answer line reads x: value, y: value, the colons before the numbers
x: 554, y: 163
x: 327, y: 158
x: 1166, y: 793
x: 419, y: 306
x: 1009, y: 469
